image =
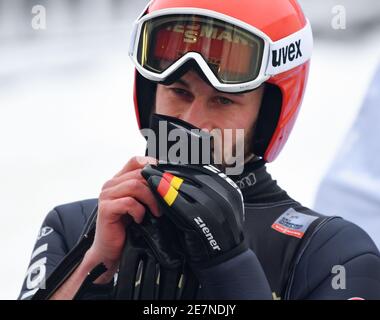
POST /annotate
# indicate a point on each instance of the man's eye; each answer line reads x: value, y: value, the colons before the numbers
x: 224, y: 101
x: 181, y: 92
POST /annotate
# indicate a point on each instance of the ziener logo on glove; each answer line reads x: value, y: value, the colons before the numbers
x: 214, y: 245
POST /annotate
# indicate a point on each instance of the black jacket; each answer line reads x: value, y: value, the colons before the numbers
x: 304, y: 254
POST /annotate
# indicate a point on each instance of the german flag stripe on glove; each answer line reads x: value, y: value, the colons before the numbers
x: 168, y: 186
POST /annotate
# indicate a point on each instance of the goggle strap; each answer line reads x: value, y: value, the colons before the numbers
x: 290, y: 52
x: 135, y: 27
x: 133, y: 40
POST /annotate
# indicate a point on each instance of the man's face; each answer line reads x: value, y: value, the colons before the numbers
x: 193, y: 100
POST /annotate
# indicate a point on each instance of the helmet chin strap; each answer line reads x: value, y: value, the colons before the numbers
x: 251, y: 157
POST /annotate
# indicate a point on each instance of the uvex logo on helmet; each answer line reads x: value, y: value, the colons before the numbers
x: 288, y: 53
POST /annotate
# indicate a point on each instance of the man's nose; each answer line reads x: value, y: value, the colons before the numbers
x: 198, y: 114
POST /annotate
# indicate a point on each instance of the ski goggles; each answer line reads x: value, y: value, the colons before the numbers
x: 233, y: 55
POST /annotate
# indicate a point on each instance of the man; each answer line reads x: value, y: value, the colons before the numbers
x: 226, y: 65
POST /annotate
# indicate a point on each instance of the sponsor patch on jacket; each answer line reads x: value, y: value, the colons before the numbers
x: 293, y: 223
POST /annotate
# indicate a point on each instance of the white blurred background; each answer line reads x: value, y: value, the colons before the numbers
x: 66, y: 112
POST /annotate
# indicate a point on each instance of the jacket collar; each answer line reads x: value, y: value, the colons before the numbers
x: 257, y: 184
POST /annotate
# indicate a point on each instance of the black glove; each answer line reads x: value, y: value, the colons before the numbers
x: 206, y: 208
x: 152, y: 266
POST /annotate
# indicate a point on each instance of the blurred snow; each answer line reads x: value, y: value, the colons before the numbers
x: 67, y: 122
x: 361, y: 16
x: 351, y: 186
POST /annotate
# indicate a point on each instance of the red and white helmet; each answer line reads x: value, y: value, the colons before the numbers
x: 236, y: 46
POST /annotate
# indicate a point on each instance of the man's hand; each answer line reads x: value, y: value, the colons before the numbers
x: 205, y: 206
x: 123, y: 198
